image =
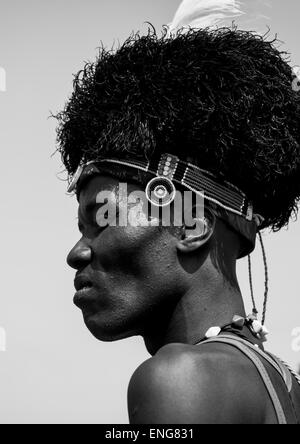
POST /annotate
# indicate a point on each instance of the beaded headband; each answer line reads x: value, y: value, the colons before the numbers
x: 170, y: 170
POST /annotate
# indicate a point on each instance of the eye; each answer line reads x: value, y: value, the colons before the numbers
x: 105, y: 217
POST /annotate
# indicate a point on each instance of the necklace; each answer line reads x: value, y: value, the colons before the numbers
x: 236, y: 326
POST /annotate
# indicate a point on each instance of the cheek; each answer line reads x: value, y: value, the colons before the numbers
x: 138, y: 272
x: 138, y: 251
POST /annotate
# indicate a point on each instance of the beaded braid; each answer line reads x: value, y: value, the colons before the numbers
x: 254, y: 309
x: 266, y: 279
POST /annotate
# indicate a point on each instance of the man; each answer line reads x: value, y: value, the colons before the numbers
x: 212, y: 112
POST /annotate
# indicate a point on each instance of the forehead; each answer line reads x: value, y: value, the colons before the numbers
x: 96, y: 184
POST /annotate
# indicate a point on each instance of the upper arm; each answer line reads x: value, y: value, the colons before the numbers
x: 181, y: 388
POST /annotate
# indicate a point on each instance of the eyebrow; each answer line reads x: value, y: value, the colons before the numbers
x: 90, y: 206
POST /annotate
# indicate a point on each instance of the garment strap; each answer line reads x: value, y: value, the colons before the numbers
x: 268, y: 357
x: 246, y: 350
x: 281, y: 367
x: 288, y: 368
x: 285, y: 371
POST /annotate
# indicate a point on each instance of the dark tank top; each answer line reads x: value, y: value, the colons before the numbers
x: 285, y: 397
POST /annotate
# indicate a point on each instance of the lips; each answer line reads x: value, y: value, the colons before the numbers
x: 82, y: 282
x: 85, y: 294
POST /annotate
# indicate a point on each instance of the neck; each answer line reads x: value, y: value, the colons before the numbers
x: 214, y: 303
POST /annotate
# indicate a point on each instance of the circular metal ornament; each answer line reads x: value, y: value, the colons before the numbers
x: 160, y: 191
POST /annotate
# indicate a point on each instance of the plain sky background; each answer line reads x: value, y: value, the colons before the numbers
x: 54, y: 371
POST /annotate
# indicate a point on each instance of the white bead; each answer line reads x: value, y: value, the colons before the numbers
x: 264, y: 333
x: 212, y: 332
x: 257, y: 327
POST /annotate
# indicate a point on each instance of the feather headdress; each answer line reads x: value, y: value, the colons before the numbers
x: 204, y: 13
x: 210, y: 13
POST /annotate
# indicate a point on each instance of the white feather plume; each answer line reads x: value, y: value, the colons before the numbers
x: 204, y: 13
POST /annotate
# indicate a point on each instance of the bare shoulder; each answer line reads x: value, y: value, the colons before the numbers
x: 211, y: 383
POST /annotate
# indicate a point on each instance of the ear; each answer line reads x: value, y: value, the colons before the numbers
x: 200, y: 235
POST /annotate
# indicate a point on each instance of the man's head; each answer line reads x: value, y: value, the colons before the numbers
x: 131, y: 276
x: 221, y: 99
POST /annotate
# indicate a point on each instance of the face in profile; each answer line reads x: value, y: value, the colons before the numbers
x: 127, y: 277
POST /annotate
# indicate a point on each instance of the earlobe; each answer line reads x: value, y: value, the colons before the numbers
x: 197, y: 237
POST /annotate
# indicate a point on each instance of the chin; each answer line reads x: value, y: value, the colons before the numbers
x: 107, y: 331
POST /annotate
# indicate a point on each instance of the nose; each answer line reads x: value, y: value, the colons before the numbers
x: 80, y: 255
